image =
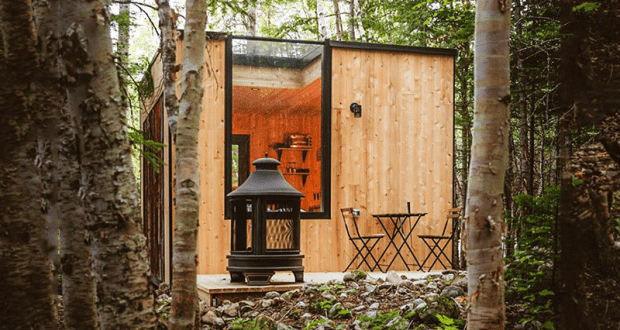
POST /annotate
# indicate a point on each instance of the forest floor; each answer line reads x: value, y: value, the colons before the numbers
x: 355, y: 302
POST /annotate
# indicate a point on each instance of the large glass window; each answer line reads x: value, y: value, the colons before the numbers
x: 276, y: 109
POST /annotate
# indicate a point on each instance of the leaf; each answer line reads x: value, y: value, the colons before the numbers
x: 586, y: 7
x: 548, y: 325
x: 545, y: 293
x: 577, y: 181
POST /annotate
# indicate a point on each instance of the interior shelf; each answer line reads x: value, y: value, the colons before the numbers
x: 303, y: 149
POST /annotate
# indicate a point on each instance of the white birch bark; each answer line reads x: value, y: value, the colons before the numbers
x: 184, y: 290
x: 489, y: 156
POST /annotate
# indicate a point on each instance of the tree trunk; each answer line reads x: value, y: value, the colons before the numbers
x: 358, y: 20
x: 184, y: 291
x: 26, y: 283
x: 338, y: 20
x: 488, y: 166
x: 351, y: 20
x: 121, y: 270
x: 323, y: 28
x: 167, y: 25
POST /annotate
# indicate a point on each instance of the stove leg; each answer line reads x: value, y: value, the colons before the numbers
x: 299, y: 277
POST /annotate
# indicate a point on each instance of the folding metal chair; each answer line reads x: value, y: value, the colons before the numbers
x: 438, y: 243
x: 364, y: 244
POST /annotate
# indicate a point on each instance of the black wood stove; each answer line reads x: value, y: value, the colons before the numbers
x: 264, y: 227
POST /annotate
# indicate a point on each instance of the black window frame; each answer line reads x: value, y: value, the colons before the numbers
x: 326, y: 107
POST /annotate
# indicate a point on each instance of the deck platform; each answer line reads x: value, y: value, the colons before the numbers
x: 216, y: 288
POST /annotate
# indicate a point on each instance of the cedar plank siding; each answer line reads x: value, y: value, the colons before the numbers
x: 400, y: 150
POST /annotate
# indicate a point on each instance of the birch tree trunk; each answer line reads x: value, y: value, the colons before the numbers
x: 358, y: 21
x: 168, y: 48
x: 184, y: 291
x: 107, y: 186
x: 26, y: 284
x: 488, y: 166
x: 351, y: 20
x: 323, y: 28
x: 338, y: 20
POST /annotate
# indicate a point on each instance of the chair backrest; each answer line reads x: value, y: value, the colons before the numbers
x: 347, y: 214
x: 453, y: 216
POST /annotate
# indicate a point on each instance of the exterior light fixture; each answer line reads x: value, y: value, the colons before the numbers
x: 356, y: 109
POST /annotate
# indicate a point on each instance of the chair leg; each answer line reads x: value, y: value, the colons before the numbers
x: 441, y: 252
x: 435, y: 246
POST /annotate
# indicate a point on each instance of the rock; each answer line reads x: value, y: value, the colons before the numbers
x: 359, y: 308
x: 271, y: 294
x: 431, y: 286
x: 301, y: 304
x: 402, y: 290
x: 418, y: 302
x: 210, y: 318
x: 447, y: 277
x: 306, y: 316
x: 420, y: 306
x: 406, y: 284
x: 266, y: 303
x: 393, y: 278
x: 164, y: 297
x: 282, y: 326
x: 420, y: 283
x: 349, y: 277
x: 343, y: 296
x: 460, y: 281
x: 371, y: 314
x: 354, y: 285
x: 291, y: 294
x: 394, y: 321
x: 247, y: 303
x: 430, y: 296
x: 407, y: 307
x: 231, y: 310
x: 370, y: 288
x: 452, y: 291
x: 374, y: 306
x: 328, y: 296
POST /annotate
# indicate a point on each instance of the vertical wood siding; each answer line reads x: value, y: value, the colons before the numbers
x: 400, y: 151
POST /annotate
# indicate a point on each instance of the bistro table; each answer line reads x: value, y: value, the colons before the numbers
x: 399, y: 220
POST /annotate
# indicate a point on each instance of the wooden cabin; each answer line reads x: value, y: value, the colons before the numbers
x: 292, y: 100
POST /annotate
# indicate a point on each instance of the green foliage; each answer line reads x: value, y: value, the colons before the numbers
x: 586, y: 7
x: 253, y: 324
x: 448, y: 323
x: 146, y: 148
x: 313, y: 324
x: 576, y: 181
x: 383, y: 319
x: 529, y: 271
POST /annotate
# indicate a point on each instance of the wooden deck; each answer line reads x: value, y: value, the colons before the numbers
x: 216, y: 288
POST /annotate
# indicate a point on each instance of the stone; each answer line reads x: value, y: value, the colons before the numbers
x: 371, y: 314
x: 418, y: 301
x: 359, y: 308
x: 452, y: 291
x: 210, y: 318
x: 447, y: 277
x: 266, y: 303
x: 420, y: 283
x: 374, y: 306
x: 460, y: 281
x: 420, y: 306
x: 393, y: 278
x: 247, y: 303
x: 407, y: 307
x: 370, y: 288
x: 343, y: 296
x: 394, y: 321
x: 349, y: 277
x: 301, y: 304
x: 431, y: 286
x: 231, y: 310
x: 271, y: 294
x: 402, y: 290
x: 306, y: 316
x: 328, y: 296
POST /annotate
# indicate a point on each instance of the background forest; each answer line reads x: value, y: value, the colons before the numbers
x: 560, y: 201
